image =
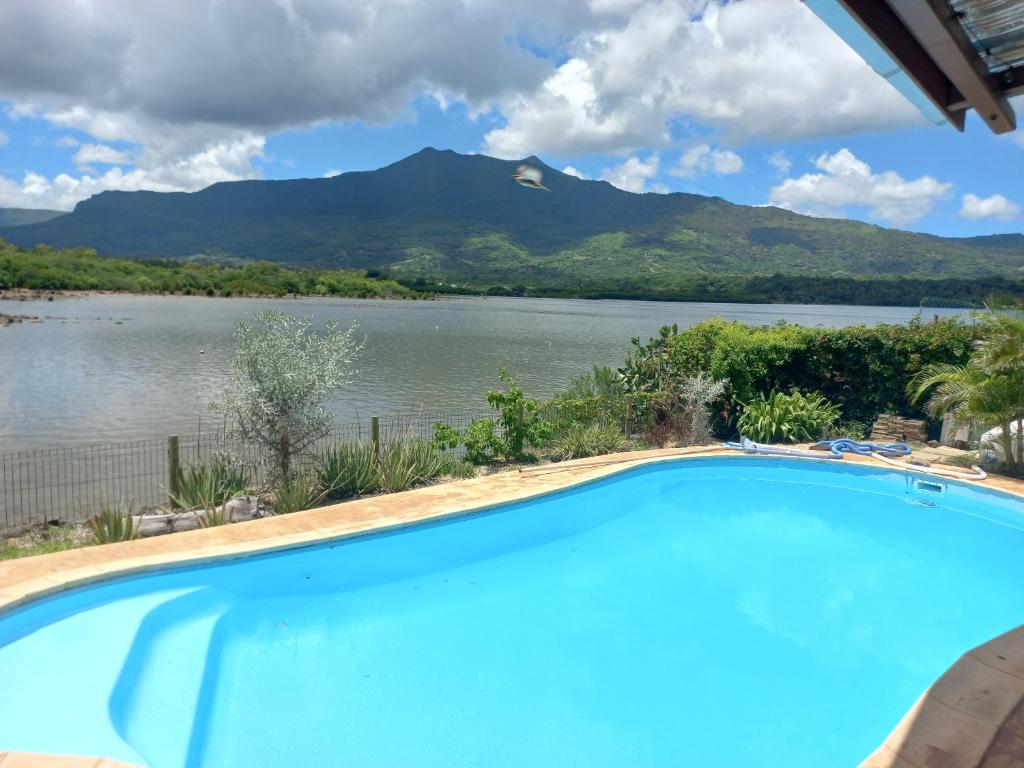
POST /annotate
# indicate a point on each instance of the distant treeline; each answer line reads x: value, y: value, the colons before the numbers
x: 80, y: 269
x: 772, y: 289
x: 43, y: 268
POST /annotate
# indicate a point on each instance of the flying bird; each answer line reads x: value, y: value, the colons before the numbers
x: 530, y: 177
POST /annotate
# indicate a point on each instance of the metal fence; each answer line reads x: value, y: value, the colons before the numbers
x: 71, y: 483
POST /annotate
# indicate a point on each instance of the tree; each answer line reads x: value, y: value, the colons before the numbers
x: 283, y: 372
x: 989, y: 389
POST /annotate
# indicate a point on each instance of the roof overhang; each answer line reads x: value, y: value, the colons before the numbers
x: 946, y: 56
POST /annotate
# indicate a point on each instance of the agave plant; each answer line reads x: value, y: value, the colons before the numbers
x: 113, y: 523
x: 348, y: 469
x: 297, y: 493
x: 203, y: 486
x: 581, y: 440
x: 408, y: 461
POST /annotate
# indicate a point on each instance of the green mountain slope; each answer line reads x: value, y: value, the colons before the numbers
x: 13, y: 217
x: 438, y: 216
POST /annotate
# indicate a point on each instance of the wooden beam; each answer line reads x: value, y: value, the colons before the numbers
x: 1010, y: 80
x: 946, y: 43
x: 890, y: 32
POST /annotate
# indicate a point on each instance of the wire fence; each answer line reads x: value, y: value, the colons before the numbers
x: 72, y: 483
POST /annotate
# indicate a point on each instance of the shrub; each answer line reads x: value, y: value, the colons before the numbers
x: 792, y: 418
x: 862, y: 369
x: 282, y: 373
x: 481, y: 441
x: 202, y: 486
x: 348, y: 469
x: 595, y: 397
x: 113, y: 523
x: 519, y: 420
x: 519, y: 424
x: 454, y: 467
x: 581, y: 440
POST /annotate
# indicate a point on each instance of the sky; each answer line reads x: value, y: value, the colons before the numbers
x: 756, y: 101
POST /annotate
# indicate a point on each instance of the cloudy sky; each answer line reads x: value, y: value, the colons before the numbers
x: 756, y: 101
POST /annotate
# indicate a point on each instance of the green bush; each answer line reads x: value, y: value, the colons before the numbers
x: 348, y: 469
x: 862, y: 369
x: 581, y: 440
x: 792, y: 418
x: 113, y: 523
x: 519, y: 419
x: 454, y: 467
x: 595, y: 397
x: 520, y: 423
x: 202, y: 486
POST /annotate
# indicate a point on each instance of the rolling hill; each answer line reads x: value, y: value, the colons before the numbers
x: 441, y: 217
x: 13, y: 217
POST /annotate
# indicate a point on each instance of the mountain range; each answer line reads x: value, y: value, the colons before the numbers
x: 442, y: 218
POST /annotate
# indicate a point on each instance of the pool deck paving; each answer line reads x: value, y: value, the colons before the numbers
x: 972, y: 717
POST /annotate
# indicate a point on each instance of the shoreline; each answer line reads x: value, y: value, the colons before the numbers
x: 49, y: 294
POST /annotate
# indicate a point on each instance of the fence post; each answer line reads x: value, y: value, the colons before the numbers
x: 629, y: 417
x: 173, y: 467
x: 375, y: 435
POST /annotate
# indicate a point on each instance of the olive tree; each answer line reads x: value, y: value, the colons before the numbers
x: 282, y: 373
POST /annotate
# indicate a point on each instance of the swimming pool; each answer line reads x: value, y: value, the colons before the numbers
x: 707, y: 612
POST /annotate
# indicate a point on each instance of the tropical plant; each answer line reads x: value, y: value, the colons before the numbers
x: 201, y: 486
x: 989, y: 389
x: 347, y: 469
x: 787, y: 418
x: 113, y: 523
x: 282, y: 373
x: 581, y: 440
x: 296, y: 493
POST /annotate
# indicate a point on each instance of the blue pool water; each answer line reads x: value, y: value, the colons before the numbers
x: 714, y: 613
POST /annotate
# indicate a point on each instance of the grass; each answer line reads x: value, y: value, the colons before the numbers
x: 52, y: 539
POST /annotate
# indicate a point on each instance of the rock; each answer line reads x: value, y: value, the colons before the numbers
x: 932, y: 443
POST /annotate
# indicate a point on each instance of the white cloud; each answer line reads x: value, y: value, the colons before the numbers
x: 848, y: 181
x: 100, y: 153
x: 331, y: 173
x: 3, y: 138
x: 67, y: 141
x: 158, y: 167
x: 993, y: 207
x: 703, y: 159
x: 634, y: 174
x: 758, y: 68
x: 571, y: 171
x: 780, y: 161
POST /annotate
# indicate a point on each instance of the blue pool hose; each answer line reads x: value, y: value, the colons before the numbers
x: 835, y: 448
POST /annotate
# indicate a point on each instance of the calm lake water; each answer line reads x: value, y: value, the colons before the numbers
x: 104, y: 368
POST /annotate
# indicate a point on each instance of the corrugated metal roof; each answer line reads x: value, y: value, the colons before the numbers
x: 996, y: 27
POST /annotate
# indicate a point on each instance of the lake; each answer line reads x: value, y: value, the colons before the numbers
x: 113, y: 367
